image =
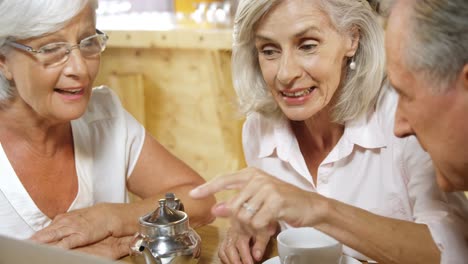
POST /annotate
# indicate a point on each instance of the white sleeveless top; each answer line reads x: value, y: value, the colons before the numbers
x: 107, y: 140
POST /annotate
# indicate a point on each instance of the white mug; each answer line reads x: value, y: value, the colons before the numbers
x: 306, y: 245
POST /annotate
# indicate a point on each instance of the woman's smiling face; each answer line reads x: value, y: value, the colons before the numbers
x: 302, y: 57
x: 57, y: 93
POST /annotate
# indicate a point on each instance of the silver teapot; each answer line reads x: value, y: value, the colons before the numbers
x: 165, y: 236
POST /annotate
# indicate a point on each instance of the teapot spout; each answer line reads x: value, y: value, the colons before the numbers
x: 140, y: 253
x: 149, y: 258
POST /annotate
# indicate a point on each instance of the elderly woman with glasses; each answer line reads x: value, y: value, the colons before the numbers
x: 319, y: 141
x: 69, y: 153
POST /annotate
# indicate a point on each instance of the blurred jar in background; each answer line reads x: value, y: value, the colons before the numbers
x: 205, y: 13
x: 188, y: 6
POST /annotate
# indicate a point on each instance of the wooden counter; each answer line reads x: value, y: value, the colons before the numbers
x: 177, y: 82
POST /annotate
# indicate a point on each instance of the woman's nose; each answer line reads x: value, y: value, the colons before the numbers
x: 289, y: 69
x: 76, y: 64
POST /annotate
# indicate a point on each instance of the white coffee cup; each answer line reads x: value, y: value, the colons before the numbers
x: 306, y: 245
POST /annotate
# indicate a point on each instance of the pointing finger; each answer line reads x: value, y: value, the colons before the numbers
x: 225, y: 182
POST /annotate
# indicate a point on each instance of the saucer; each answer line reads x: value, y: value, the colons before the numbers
x: 344, y: 260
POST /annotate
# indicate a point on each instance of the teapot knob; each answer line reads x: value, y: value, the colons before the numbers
x: 173, y: 202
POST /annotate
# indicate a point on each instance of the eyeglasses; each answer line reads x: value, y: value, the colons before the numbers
x: 54, y: 54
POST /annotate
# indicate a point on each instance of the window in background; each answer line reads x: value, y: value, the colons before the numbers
x: 164, y: 14
x: 134, y: 6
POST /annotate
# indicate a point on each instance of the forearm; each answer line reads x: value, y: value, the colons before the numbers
x: 383, y: 239
x: 199, y: 211
x: 127, y: 215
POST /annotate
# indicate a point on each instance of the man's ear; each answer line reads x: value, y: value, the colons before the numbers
x: 354, y: 37
x: 464, y: 77
x: 4, y: 68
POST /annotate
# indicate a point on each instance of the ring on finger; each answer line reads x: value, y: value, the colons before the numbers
x: 249, y: 208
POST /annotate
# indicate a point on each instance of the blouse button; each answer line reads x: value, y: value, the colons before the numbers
x: 324, y: 179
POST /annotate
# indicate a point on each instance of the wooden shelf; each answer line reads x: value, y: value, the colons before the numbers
x: 181, y: 38
x: 162, y: 30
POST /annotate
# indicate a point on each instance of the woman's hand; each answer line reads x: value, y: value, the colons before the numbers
x: 110, y: 247
x: 81, y: 227
x: 236, y: 249
x: 263, y: 200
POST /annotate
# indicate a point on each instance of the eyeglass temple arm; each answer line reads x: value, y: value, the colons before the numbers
x: 21, y: 46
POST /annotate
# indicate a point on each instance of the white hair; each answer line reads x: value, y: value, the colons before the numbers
x: 360, y: 88
x: 438, y: 39
x: 22, y: 19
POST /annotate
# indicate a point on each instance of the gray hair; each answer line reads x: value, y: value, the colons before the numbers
x: 439, y: 39
x: 23, y: 19
x: 359, y: 90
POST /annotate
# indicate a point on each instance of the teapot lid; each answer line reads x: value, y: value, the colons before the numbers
x: 164, y: 215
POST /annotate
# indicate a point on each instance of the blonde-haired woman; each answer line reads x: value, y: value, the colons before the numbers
x: 319, y: 140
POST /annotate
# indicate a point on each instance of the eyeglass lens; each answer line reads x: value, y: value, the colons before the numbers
x: 56, y: 53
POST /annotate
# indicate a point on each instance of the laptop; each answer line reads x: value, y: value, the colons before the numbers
x: 13, y: 251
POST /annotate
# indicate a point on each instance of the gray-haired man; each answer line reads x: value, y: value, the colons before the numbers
x: 427, y: 51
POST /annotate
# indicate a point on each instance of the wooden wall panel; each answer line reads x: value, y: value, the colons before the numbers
x: 131, y: 90
x: 188, y: 102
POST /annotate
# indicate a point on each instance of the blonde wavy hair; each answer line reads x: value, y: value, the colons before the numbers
x: 359, y: 90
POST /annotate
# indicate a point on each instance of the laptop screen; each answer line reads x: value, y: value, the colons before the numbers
x: 14, y: 251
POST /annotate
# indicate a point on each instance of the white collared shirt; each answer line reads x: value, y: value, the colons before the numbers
x: 369, y: 168
x: 107, y: 144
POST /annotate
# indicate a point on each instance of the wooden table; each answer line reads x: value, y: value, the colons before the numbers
x: 212, y: 235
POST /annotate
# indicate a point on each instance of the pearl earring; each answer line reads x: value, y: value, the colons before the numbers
x: 352, y: 65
